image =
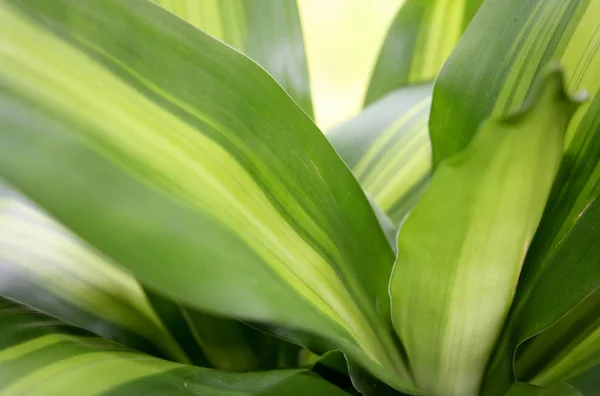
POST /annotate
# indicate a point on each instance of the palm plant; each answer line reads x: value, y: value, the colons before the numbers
x: 173, y: 222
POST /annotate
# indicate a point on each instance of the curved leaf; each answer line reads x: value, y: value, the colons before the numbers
x: 222, y: 343
x: 47, y: 267
x: 568, y: 347
x: 524, y: 389
x: 40, y: 355
x: 194, y: 170
x: 388, y: 150
x: 565, y: 350
x: 421, y: 37
x: 514, y: 40
x: 461, y: 248
x: 267, y: 31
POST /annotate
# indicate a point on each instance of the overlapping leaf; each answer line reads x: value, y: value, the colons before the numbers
x: 39, y: 355
x: 267, y: 31
x: 183, y: 161
x: 512, y: 41
x: 418, y: 42
x: 47, y: 267
x: 388, y: 150
x: 461, y: 248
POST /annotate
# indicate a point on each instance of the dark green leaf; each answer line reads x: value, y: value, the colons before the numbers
x: 267, y: 31
x: 524, y: 389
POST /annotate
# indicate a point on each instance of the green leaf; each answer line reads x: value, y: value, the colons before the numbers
x: 421, y: 37
x: 524, y: 389
x: 234, y: 346
x: 41, y: 355
x: 45, y: 266
x: 267, y: 31
x: 461, y: 248
x: 567, y: 347
x: 587, y: 383
x: 513, y: 40
x: 388, y: 150
x: 222, y: 343
x: 182, y: 160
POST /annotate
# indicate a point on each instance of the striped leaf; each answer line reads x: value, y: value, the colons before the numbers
x: 421, y: 37
x: 39, y: 355
x: 461, y: 248
x: 524, y: 389
x: 182, y: 160
x: 514, y: 40
x: 47, y: 267
x: 570, y: 346
x: 387, y: 148
x: 267, y: 31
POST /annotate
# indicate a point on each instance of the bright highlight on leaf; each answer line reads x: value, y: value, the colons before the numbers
x: 172, y: 222
x: 461, y: 248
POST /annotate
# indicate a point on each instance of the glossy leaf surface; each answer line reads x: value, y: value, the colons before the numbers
x: 513, y: 41
x: 194, y: 170
x: 267, y: 31
x: 461, y: 248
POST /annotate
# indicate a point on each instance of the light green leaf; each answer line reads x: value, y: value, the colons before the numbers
x: 267, y: 31
x: 461, y: 248
x: 524, y: 389
x: 418, y: 42
x: 183, y: 161
x: 45, y: 266
x: 388, y: 150
x: 39, y: 355
x: 512, y: 41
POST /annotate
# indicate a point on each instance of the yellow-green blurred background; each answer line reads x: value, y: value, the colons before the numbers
x: 342, y: 40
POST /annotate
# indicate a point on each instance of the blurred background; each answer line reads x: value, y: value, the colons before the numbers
x: 342, y: 39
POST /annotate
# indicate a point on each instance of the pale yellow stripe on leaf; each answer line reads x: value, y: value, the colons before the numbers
x: 186, y: 164
x: 405, y: 177
x: 388, y: 163
x: 75, y: 273
x: 19, y: 350
x: 234, y: 23
x: 370, y: 155
x: 436, y: 39
x: 88, y: 374
x: 535, y: 38
x: 581, y: 59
